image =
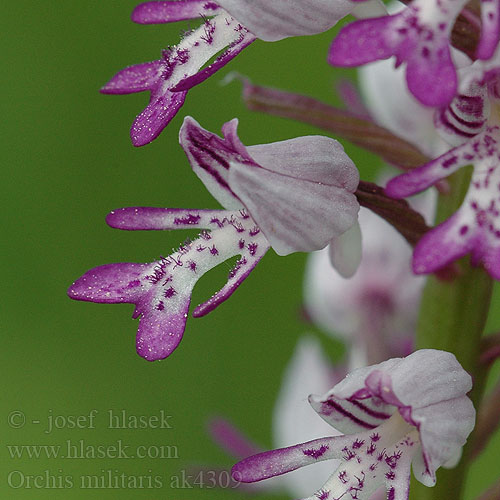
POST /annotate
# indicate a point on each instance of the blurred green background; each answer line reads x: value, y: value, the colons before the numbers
x: 68, y: 161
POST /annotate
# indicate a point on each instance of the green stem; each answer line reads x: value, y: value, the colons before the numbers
x: 452, y: 318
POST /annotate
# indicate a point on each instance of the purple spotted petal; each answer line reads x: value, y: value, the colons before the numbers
x: 112, y: 283
x: 155, y: 117
x: 162, y: 320
x: 135, y: 78
x: 361, y: 42
x: 442, y: 245
x: 161, y: 329
x: 419, y: 36
x: 243, y: 41
x: 424, y: 418
x: 169, y: 12
x: 154, y: 218
x: 161, y: 291
x: 272, y: 20
x: 483, y: 145
x: 277, y: 462
x: 490, y: 29
x: 431, y: 76
x: 251, y: 253
x: 178, y: 64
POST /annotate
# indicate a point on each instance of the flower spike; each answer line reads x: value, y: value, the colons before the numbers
x: 277, y: 195
x: 403, y: 412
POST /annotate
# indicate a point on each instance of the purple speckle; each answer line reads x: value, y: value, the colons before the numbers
x: 134, y: 284
x: 348, y: 454
x: 375, y: 436
x: 182, y: 56
x: 390, y: 475
x: 371, y: 449
x: 160, y: 306
x: 215, y: 220
x: 392, y: 460
x: 357, y: 444
x: 252, y: 248
x: 169, y: 292
x: 449, y: 162
x: 316, y: 453
x: 391, y: 494
x: 323, y: 495
x: 343, y: 477
x: 210, y: 6
x: 254, y: 231
x: 192, y: 265
x: 463, y: 230
x: 213, y: 250
x: 187, y: 219
x: 241, y: 244
x: 209, y: 29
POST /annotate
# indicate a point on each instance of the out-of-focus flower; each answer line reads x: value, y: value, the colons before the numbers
x: 293, y: 195
x: 403, y: 412
x: 375, y: 310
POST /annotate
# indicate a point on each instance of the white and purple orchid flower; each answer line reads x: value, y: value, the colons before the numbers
x: 228, y: 27
x: 472, y: 122
x: 419, y: 36
x: 403, y: 412
x: 294, y: 195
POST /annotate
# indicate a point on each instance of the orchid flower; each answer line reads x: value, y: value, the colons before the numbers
x: 420, y: 37
x: 475, y: 227
x: 403, y: 412
x: 228, y: 26
x: 293, y: 195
